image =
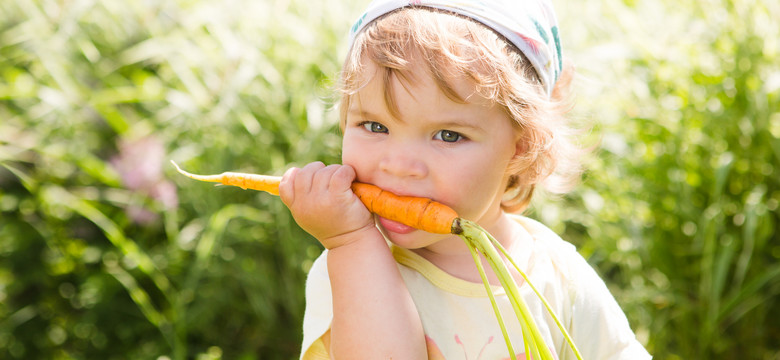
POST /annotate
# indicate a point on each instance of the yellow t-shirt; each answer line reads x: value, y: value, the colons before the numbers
x: 460, y: 323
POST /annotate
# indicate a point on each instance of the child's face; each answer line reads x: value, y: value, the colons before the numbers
x: 453, y: 153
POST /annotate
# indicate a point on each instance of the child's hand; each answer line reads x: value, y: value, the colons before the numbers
x: 322, y: 202
x: 374, y: 315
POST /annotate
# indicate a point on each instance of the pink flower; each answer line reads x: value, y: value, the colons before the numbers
x: 139, y: 164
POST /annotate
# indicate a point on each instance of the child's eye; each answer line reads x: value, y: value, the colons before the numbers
x: 448, y: 136
x: 374, y: 126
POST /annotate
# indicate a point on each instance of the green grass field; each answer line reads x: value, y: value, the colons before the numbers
x: 106, y: 253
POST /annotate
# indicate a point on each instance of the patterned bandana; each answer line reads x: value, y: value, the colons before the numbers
x: 529, y: 24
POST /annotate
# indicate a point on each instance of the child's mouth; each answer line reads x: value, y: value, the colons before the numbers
x: 395, y: 226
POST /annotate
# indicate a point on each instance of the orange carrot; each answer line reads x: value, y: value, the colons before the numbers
x: 419, y: 213
x: 269, y: 184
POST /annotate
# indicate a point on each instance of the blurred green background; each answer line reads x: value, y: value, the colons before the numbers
x: 107, y: 253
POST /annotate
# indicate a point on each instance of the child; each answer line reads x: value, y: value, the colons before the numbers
x: 456, y: 101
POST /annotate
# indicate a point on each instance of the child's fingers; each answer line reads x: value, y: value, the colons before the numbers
x: 286, y: 192
x: 297, y: 180
x: 321, y: 201
x: 343, y: 177
x: 305, y: 177
x: 321, y: 178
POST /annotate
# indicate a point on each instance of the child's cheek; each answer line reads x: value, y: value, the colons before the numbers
x: 355, y: 154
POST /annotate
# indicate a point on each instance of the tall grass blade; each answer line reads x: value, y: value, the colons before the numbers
x: 113, y: 232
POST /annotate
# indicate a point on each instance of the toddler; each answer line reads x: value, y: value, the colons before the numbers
x: 461, y: 102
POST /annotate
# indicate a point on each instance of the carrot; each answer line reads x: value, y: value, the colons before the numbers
x: 419, y: 213
x: 269, y: 184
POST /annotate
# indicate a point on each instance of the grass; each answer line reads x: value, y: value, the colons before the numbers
x: 678, y: 211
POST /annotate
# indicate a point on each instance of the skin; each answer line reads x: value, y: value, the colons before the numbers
x: 453, y: 153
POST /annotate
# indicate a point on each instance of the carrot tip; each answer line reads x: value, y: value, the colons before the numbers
x: 182, y: 171
x: 177, y: 166
x: 209, y: 178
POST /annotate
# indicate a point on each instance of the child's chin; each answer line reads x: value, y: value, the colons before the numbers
x: 406, y: 242
x: 414, y: 240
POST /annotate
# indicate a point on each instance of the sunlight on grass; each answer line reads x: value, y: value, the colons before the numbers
x: 103, y: 254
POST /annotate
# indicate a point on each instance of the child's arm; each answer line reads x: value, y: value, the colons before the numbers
x: 373, y: 313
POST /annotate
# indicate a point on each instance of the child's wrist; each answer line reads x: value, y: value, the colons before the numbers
x: 369, y: 232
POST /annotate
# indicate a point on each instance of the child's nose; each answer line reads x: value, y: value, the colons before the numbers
x: 403, y: 162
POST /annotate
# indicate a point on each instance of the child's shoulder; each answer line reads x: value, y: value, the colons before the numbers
x: 548, y: 247
x: 542, y: 235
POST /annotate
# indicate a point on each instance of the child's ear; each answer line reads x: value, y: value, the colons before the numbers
x: 521, y: 147
x: 517, y: 161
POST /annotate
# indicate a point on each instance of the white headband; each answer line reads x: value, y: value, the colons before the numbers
x: 528, y: 24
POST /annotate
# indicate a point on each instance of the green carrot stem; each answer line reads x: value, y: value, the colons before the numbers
x: 539, y: 295
x: 475, y: 235
x: 538, y: 349
x: 492, y: 297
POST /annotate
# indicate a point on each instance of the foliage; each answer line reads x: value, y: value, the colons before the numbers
x: 106, y: 253
x: 680, y: 209
x: 100, y: 253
